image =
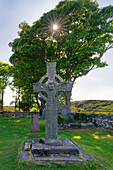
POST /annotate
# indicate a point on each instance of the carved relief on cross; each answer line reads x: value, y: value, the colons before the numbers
x: 51, y: 88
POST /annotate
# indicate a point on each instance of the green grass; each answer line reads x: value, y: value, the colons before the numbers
x: 98, y: 142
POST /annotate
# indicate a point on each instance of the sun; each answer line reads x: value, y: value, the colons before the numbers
x: 54, y: 24
x: 55, y: 27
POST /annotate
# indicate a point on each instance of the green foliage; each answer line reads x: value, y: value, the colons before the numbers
x: 83, y: 117
x: 61, y: 119
x: 69, y: 119
x: 4, y: 75
x: 84, y: 34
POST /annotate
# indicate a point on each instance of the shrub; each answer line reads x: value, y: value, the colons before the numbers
x: 69, y: 119
x: 61, y: 119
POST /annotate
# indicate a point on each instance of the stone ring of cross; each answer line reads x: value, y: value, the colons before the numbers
x: 50, y: 85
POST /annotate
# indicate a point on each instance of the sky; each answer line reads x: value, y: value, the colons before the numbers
x: 96, y: 85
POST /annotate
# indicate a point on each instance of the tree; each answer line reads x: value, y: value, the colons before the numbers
x: 4, y: 75
x: 84, y: 34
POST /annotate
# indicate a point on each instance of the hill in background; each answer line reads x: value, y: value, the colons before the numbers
x: 94, y: 106
x: 87, y: 106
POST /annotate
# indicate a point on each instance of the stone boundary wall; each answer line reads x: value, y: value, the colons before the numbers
x: 99, y: 120
x: 105, y: 121
x: 102, y: 120
x: 18, y: 114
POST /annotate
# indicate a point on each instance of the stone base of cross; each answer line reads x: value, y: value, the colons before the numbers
x: 51, y: 88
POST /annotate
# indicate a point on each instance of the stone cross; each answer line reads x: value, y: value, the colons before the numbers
x: 51, y: 87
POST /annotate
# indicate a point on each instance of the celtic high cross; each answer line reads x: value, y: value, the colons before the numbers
x: 51, y: 88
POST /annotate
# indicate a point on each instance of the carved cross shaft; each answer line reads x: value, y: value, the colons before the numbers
x: 51, y: 87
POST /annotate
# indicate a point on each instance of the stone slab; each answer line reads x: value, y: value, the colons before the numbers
x: 58, y: 158
x: 67, y: 147
x: 26, y: 155
x: 55, y: 150
x: 86, y: 155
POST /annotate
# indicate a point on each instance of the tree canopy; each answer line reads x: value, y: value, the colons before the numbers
x: 84, y: 33
x: 4, y: 75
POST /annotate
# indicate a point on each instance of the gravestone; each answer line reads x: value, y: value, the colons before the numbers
x: 64, y: 112
x: 17, y: 115
x: 51, y: 88
x: 35, y: 124
x: 43, y: 114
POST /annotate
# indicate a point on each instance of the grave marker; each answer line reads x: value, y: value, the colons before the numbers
x: 35, y: 124
x: 51, y: 88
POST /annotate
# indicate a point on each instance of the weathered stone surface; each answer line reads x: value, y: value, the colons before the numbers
x: 17, y: 115
x: 71, y: 158
x: 64, y: 112
x: 67, y: 147
x: 35, y: 124
x: 86, y: 155
x: 43, y: 114
x: 51, y: 88
x: 79, y: 125
x: 45, y: 150
x: 27, y: 145
x: 25, y: 155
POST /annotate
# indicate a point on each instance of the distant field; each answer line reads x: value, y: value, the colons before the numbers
x: 9, y: 108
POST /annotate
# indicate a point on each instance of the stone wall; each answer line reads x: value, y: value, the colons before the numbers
x: 18, y: 114
x: 99, y: 120
x: 105, y: 121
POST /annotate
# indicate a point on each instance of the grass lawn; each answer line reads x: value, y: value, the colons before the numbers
x: 98, y: 142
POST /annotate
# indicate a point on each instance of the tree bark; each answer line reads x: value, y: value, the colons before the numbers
x: 68, y: 101
x: 68, y: 94
x: 2, y: 100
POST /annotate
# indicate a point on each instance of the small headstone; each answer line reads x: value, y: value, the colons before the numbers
x: 64, y: 112
x: 35, y: 124
x: 43, y: 114
x: 17, y: 115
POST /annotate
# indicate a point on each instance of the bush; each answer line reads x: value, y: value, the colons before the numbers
x: 61, y: 119
x: 69, y: 119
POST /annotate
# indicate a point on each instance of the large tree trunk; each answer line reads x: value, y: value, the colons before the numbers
x: 68, y: 101
x: 19, y: 98
x: 2, y: 107
x: 68, y: 94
